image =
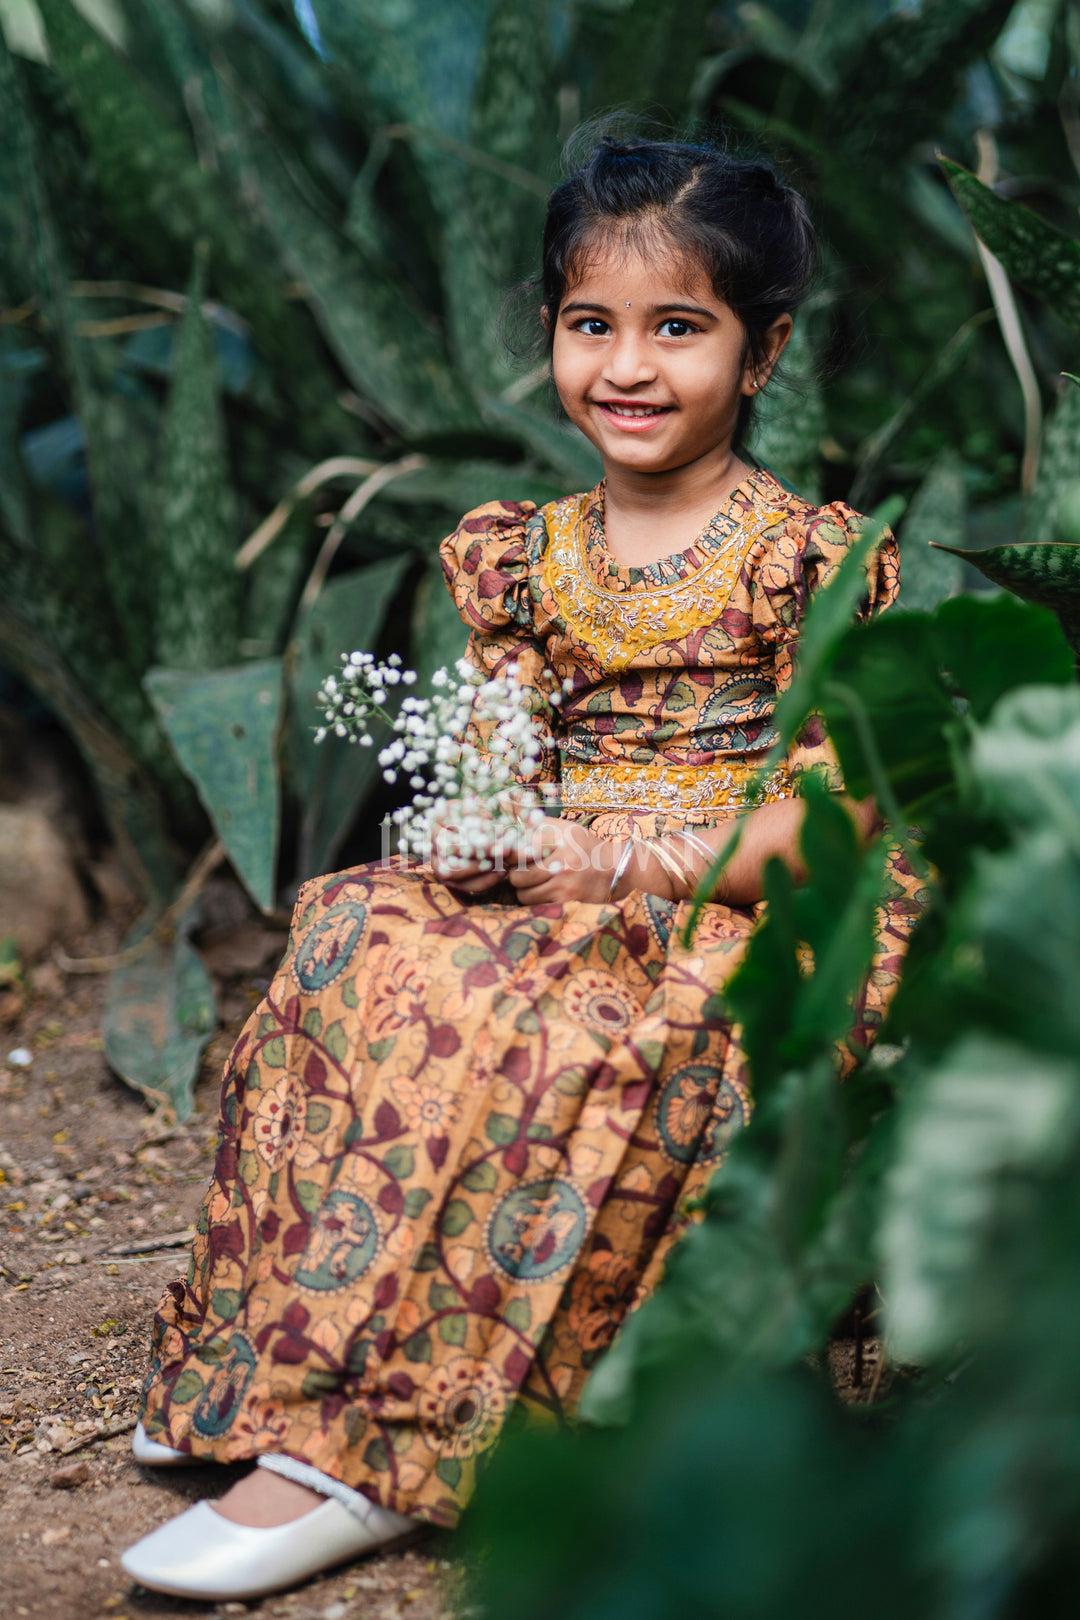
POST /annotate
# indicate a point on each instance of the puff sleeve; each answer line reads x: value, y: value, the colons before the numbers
x: 802, y: 559
x: 486, y: 565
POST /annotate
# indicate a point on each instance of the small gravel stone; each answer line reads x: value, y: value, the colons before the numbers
x: 74, y: 1474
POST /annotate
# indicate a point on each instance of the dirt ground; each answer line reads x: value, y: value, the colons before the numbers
x: 93, y: 1212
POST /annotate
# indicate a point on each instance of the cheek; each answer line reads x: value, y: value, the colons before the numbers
x: 572, y: 368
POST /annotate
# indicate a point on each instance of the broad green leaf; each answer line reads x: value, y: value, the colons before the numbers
x: 1027, y: 757
x: 987, y: 647
x: 1033, y: 251
x: 159, y: 1016
x: 990, y: 1108
x: 936, y: 515
x: 195, y: 535
x: 333, y: 776
x: 224, y: 728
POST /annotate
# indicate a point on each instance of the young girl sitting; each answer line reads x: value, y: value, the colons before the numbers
x: 459, y: 1133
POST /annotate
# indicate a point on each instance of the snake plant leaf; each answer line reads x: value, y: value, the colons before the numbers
x: 159, y: 1017
x: 160, y: 200
x: 198, y: 587
x: 558, y: 444
x: 1053, y: 509
x: 645, y: 52
x: 903, y: 72
x: 936, y: 514
x: 382, y: 341
x: 1046, y: 572
x: 334, y: 775
x: 223, y: 726
x: 1036, y: 254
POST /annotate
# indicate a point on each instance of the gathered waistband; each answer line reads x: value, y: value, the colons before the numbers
x: 605, y: 784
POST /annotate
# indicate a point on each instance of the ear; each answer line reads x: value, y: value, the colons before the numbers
x: 773, y: 345
x: 546, y: 317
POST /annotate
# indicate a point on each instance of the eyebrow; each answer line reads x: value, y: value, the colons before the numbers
x: 652, y: 309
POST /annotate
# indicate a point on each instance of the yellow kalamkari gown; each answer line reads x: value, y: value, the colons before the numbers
x: 459, y: 1134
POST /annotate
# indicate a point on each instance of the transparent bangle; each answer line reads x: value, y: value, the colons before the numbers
x: 620, y: 867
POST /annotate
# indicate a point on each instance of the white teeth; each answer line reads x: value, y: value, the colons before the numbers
x: 634, y: 410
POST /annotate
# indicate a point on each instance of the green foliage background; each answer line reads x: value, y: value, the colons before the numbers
x: 250, y: 372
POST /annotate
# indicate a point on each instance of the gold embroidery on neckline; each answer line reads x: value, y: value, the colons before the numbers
x: 619, y: 625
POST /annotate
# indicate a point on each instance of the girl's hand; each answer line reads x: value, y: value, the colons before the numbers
x: 567, y: 862
x: 471, y: 876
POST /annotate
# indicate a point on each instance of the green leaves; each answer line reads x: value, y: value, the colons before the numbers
x: 1047, y: 573
x: 1033, y: 252
x: 934, y: 518
x: 223, y: 726
x: 196, y: 537
x: 332, y: 778
x: 990, y: 1108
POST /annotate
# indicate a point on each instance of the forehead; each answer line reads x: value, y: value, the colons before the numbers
x: 644, y: 267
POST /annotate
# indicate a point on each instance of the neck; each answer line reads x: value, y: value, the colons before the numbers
x: 679, y: 496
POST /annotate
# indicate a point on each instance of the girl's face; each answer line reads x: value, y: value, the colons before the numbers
x: 650, y: 364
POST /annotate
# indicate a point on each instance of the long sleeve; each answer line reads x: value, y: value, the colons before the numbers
x: 486, y: 566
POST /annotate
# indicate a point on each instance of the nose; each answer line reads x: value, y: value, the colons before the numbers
x: 629, y: 362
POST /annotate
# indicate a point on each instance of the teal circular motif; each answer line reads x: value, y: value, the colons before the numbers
x: 537, y: 1229
x: 696, y: 1117
x: 220, y: 1400
x: 329, y: 947
x: 343, y: 1242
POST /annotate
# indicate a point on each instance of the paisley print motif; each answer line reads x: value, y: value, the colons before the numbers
x: 459, y: 1136
x: 330, y: 948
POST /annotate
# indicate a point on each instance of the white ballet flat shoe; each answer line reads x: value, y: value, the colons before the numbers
x: 153, y: 1455
x: 202, y: 1555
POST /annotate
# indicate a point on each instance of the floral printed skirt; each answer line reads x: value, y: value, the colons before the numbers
x: 458, y: 1138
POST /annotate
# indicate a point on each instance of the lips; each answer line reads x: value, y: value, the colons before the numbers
x: 631, y: 416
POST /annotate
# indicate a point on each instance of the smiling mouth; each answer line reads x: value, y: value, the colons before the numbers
x: 625, y: 411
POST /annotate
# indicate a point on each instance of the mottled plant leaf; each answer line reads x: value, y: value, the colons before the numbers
x: 1036, y: 254
x: 223, y: 726
x: 333, y: 776
x: 195, y: 538
x: 159, y: 1017
x: 1046, y: 572
x: 936, y: 515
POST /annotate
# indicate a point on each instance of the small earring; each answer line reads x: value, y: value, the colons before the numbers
x: 628, y: 303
